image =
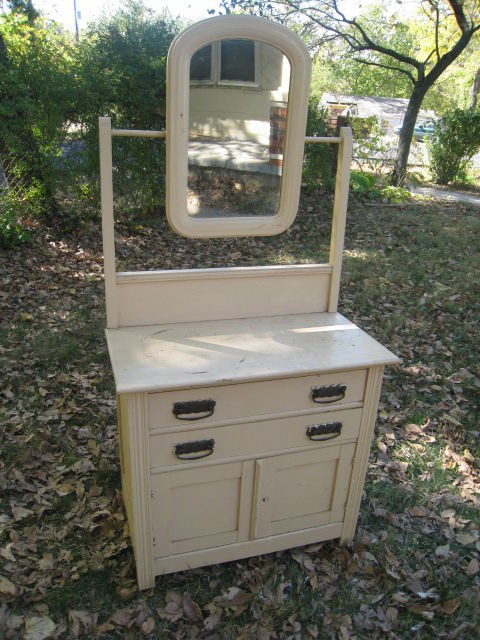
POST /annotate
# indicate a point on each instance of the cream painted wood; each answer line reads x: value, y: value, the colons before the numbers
x: 142, y: 293
x: 108, y: 228
x: 202, y: 507
x: 146, y: 298
x: 138, y: 133
x: 342, y: 184
x: 372, y: 395
x: 134, y: 446
x: 227, y: 553
x: 255, y: 340
x: 301, y: 490
x: 200, y: 354
x: 256, y: 438
x: 291, y: 396
x: 178, y: 79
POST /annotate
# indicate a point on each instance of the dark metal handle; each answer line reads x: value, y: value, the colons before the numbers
x: 203, y: 448
x: 324, y: 431
x: 328, y: 393
x: 193, y: 409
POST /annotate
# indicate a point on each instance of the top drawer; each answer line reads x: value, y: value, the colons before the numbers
x: 229, y: 402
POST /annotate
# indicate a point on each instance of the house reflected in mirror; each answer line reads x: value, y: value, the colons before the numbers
x: 237, y: 118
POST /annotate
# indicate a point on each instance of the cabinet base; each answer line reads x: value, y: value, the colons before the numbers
x: 216, y: 555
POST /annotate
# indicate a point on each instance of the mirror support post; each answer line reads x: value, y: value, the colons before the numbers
x: 108, y: 229
x: 342, y: 183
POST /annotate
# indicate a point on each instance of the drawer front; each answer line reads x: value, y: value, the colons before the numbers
x: 228, y: 402
x: 254, y: 439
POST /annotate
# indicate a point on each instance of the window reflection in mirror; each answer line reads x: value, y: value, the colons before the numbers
x: 237, y: 116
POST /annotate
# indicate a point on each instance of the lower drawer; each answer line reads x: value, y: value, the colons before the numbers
x: 254, y: 438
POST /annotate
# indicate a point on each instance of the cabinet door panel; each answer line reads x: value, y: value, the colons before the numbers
x: 202, y: 507
x: 301, y: 490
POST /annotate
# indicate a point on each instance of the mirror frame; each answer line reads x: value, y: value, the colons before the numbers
x: 178, y: 83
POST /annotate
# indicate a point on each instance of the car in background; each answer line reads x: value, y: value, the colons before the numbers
x: 422, y: 130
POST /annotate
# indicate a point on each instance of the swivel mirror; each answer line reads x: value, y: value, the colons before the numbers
x: 236, y: 124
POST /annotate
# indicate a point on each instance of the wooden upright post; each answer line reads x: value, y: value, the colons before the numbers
x: 342, y: 185
x: 108, y: 227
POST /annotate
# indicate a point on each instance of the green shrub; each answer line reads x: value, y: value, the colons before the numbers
x: 395, y: 195
x: 17, y: 213
x: 364, y: 185
x: 36, y: 86
x: 122, y: 74
x: 455, y: 141
x: 319, y: 159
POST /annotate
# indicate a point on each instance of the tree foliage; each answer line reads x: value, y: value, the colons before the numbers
x: 36, y: 77
x: 382, y: 43
x: 122, y: 74
x: 52, y: 92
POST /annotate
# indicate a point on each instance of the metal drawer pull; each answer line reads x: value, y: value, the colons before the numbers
x: 324, y: 431
x: 203, y: 448
x: 193, y: 409
x: 328, y: 393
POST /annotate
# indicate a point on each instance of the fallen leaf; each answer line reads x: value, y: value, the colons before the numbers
x: 172, y: 612
x: 473, y: 567
x: 7, y: 553
x: 234, y: 597
x: 191, y: 609
x: 212, y: 620
x: 450, y: 606
x: 448, y: 513
x: 443, y: 551
x: 417, y: 512
x: 173, y: 596
x: 19, y: 513
x: 39, y: 628
x: 422, y: 610
x: 126, y: 592
x: 7, y: 587
x: 122, y: 617
x: 46, y: 563
x: 413, y: 429
x: 465, y: 538
x: 148, y: 626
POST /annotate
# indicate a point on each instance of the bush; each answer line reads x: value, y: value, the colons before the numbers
x: 122, y: 74
x: 318, y: 160
x: 36, y: 85
x: 455, y: 141
x: 375, y: 152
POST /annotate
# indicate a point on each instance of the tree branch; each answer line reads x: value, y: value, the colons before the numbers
x: 387, y: 66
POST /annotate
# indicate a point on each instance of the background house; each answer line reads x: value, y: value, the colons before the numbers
x: 388, y: 111
x: 234, y: 84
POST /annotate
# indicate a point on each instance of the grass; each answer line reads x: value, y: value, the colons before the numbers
x: 410, y: 278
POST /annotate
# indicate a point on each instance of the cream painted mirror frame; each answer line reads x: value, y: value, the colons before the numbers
x: 178, y: 82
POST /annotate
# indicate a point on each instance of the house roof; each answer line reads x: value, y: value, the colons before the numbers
x: 374, y: 105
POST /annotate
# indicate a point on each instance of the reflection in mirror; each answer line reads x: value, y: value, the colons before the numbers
x: 237, y: 116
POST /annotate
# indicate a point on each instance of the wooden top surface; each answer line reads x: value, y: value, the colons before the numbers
x: 198, y: 354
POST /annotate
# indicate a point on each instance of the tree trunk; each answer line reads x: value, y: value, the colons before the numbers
x: 475, y: 89
x: 399, y: 173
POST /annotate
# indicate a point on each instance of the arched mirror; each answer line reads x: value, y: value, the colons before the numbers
x: 238, y: 90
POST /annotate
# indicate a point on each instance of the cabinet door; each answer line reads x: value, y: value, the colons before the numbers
x: 301, y: 490
x: 201, y: 507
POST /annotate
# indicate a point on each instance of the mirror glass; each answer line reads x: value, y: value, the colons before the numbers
x: 238, y: 103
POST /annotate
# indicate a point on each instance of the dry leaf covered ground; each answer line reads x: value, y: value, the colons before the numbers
x: 66, y: 567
